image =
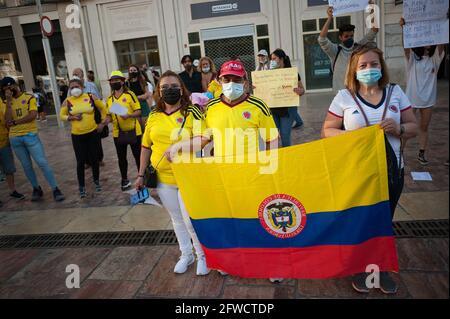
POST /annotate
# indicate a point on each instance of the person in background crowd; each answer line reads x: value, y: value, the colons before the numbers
x: 191, y: 78
x: 126, y: 128
x: 89, y: 87
x: 173, y: 112
x: 21, y: 112
x: 138, y: 85
x: 339, y: 54
x: 422, y: 65
x: 91, y: 79
x: 150, y: 101
x: 208, y: 70
x: 284, y: 117
x: 263, y: 61
x: 79, y: 110
x: 41, y: 101
x: 156, y: 76
x: 371, y: 100
x: 6, y: 156
x: 63, y: 90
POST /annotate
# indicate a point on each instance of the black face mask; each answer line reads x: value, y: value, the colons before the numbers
x: 116, y: 86
x: 171, y: 96
x: 349, y: 43
x: 134, y: 75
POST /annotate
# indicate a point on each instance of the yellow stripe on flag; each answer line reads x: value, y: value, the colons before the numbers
x: 328, y: 175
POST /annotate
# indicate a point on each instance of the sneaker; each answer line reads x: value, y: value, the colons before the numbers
x: 57, y: 195
x: 83, y: 193
x: 297, y: 125
x: 223, y: 273
x: 387, y: 285
x: 359, y: 283
x: 446, y: 163
x: 37, y: 194
x: 182, y: 265
x: 98, y: 187
x: 125, y: 184
x: 202, y: 268
x: 276, y: 280
x: 422, y: 159
x: 17, y: 195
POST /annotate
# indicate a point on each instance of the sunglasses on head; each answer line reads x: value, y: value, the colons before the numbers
x: 360, y: 47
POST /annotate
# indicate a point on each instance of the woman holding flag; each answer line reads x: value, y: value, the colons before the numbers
x: 174, y: 116
x: 370, y: 100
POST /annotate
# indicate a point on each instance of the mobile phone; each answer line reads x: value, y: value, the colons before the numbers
x: 140, y: 196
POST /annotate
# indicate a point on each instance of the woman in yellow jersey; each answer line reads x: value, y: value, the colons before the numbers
x: 79, y: 109
x: 174, y: 116
x: 126, y: 128
x: 20, y: 115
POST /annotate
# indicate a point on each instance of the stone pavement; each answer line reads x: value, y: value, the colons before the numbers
x: 146, y: 272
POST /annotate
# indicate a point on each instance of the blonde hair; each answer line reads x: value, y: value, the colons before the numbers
x: 351, y: 82
x: 211, y: 63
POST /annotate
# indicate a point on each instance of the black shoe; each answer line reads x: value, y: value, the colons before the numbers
x: 359, y: 283
x: 421, y: 158
x: 98, y: 187
x: 125, y: 184
x: 57, y: 195
x: 83, y: 193
x: 297, y: 125
x: 37, y: 194
x: 17, y: 195
x: 387, y: 285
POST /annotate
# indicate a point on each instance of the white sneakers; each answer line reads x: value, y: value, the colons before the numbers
x: 276, y: 280
x: 223, y: 273
x: 185, y: 261
x: 182, y: 265
x: 202, y: 268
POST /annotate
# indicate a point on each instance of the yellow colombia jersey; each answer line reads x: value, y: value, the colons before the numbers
x: 235, y: 129
x: 130, y: 101
x: 158, y: 132
x: 215, y: 88
x: 83, y: 105
x: 4, y: 140
x: 21, y: 107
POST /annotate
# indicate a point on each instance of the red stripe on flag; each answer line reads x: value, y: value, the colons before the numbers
x: 319, y: 262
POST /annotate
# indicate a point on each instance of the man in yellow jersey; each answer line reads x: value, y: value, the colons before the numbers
x: 21, y: 111
x: 236, y: 120
x: 6, y: 156
x: 126, y: 127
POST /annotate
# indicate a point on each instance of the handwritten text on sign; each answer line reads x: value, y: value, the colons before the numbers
x: 424, y: 10
x: 424, y: 33
x: 347, y: 6
x: 276, y: 87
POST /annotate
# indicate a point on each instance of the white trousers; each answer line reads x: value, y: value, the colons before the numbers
x: 182, y: 225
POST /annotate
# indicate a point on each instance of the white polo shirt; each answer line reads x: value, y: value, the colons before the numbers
x: 344, y: 106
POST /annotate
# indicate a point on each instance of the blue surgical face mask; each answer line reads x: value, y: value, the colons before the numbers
x: 273, y: 65
x: 369, y: 76
x: 233, y: 91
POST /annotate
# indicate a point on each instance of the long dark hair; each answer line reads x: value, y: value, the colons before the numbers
x: 141, y: 78
x: 420, y: 52
x: 185, y: 101
x: 283, y: 56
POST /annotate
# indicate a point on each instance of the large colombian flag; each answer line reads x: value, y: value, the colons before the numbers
x: 324, y: 213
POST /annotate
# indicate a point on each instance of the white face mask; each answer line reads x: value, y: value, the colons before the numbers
x: 233, y: 91
x: 76, y: 92
x: 206, y: 70
x: 273, y: 65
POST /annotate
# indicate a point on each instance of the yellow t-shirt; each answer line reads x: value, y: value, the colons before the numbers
x: 215, y: 88
x: 158, y: 132
x: 4, y: 140
x: 236, y: 129
x: 83, y: 105
x: 21, y: 107
x: 131, y: 102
